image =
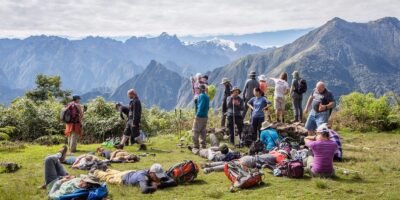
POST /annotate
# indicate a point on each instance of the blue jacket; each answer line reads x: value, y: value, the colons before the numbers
x: 270, y: 138
x: 203, y: 105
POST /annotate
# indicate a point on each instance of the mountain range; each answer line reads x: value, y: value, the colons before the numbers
x: 91, y: 63
x: 347, y: 56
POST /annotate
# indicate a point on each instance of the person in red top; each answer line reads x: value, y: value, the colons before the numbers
x: 73, y: 129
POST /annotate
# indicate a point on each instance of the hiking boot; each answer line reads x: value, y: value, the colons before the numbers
x: 119, y: 146
x: 63, y: 152
x: 190, y: 147
x: 142, y: 147
x: 204, y: 165
x: 42, y: 187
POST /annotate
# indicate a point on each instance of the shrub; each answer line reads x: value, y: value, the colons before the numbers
x: 365, y: 112
x: 4, y: 136
x: 50, y: 140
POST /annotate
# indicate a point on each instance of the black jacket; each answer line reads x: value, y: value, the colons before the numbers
x: 135, y: 111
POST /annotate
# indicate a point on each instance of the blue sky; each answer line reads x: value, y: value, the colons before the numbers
x: 76, y: 18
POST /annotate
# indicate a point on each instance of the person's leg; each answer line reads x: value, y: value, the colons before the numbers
x: 127, y: 133
x: 311, y: 124
x: 239, y: 125
x: 203, y: 133
x: 214, y: 140
x: 300, y: 108
x: 223, y: 120
x: 308, y: 163
x: 196, y: 135
x: 295, y: 110
x: 260, y: 121
x: 254, y: 124
x: 321, y: 118
x: 231, y: 127
x: 52, y: 168
x: 245, y: 108
x: 74, y: 140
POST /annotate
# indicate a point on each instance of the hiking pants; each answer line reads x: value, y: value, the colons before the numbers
x: 231, y: 127
x: 297, y: 107
x: 53, y: 168
x: 216, y: 166
x: 111, y: 176
x: 256, y: 124
x: 72, y: 141
x: 199, y: 132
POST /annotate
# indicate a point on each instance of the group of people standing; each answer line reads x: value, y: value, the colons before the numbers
x: 254, y: 98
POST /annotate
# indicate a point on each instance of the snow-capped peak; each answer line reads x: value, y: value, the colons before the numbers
x: 224, y: 43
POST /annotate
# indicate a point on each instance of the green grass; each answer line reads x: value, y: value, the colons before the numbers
x: 375, y: 157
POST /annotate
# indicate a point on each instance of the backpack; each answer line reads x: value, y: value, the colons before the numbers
x: 231, y: 156
x: 70, y: 114
x: 184, y: 172
x: 97, y: 193
x: 291, y: 169
x: 247, y: 134
x: 256, y: 147
x: 301, y: 86
x: 241, y: 178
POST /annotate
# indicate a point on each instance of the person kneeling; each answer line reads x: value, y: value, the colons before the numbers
x: 321, y: 164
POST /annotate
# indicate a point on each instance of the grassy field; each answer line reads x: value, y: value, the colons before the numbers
x: 374, y: 155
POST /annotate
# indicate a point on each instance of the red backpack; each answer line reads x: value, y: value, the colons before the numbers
x: 70, y: 114
x: 184, y: 172
x: 240, y: 177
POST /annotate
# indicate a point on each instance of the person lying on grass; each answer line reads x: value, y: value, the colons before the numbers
x: 53, y: 169
x: 70, y: 184
x: 321, y: 164
x: 84, y: 160
x: 246, y: 161
x: 100, y: 151
x: 217, y: 152
x: 122, y: 156
x: 148, y: 180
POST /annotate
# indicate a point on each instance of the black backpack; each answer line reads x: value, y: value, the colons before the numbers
x: 256, y: 147
x: 301, y: 86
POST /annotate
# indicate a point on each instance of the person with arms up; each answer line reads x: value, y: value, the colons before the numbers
x: 323, y: 149
x: 258, y: 104
x: 73, y: 128
x: 298, y: 88
x: 320, y: 101
x: 227, y: 92
x: 249, y: 86
x: 281, y: 90
x: 200, y: 122
x: 235, y: 106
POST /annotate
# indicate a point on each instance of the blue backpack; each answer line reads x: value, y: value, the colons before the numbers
x: 93, y: 194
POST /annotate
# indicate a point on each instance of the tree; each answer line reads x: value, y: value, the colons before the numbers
x: 47, y: 87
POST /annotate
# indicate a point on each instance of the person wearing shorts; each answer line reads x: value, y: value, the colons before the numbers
x: 281, y: 89
x: 321, y: 102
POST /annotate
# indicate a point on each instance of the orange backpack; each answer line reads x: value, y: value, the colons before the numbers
x: 240, y: 177
x: 184, y: 172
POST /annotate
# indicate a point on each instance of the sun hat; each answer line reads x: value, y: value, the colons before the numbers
x: 262, y: 77
x: 323, y: 128
x: 236, y: 88
x: 265, y: 125
x: 90, y: 179
x: 225, y: 80
x: 157, y: 169
x: 252, y: 74
x: 223, y: 147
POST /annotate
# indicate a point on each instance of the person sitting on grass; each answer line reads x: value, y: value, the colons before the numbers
x: 246, y: 161
x: 103, y: 153
x: 269, y: 136
x: 122, y: 156
x: 70, y: 184
x: 321, y: 164
x: 148, y: 180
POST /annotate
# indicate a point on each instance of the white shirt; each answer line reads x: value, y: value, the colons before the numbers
x: 281, y: 87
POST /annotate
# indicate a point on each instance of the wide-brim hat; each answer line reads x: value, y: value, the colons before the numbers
x: 252, y: 73
x: 262, y: 77
x: 223, y: 147
x: 90, y: 179
x: 236, y: 88
x: 225, y: 80
x: 265, y: 125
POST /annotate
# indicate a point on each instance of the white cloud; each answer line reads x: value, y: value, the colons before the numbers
x: 183, y: 17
